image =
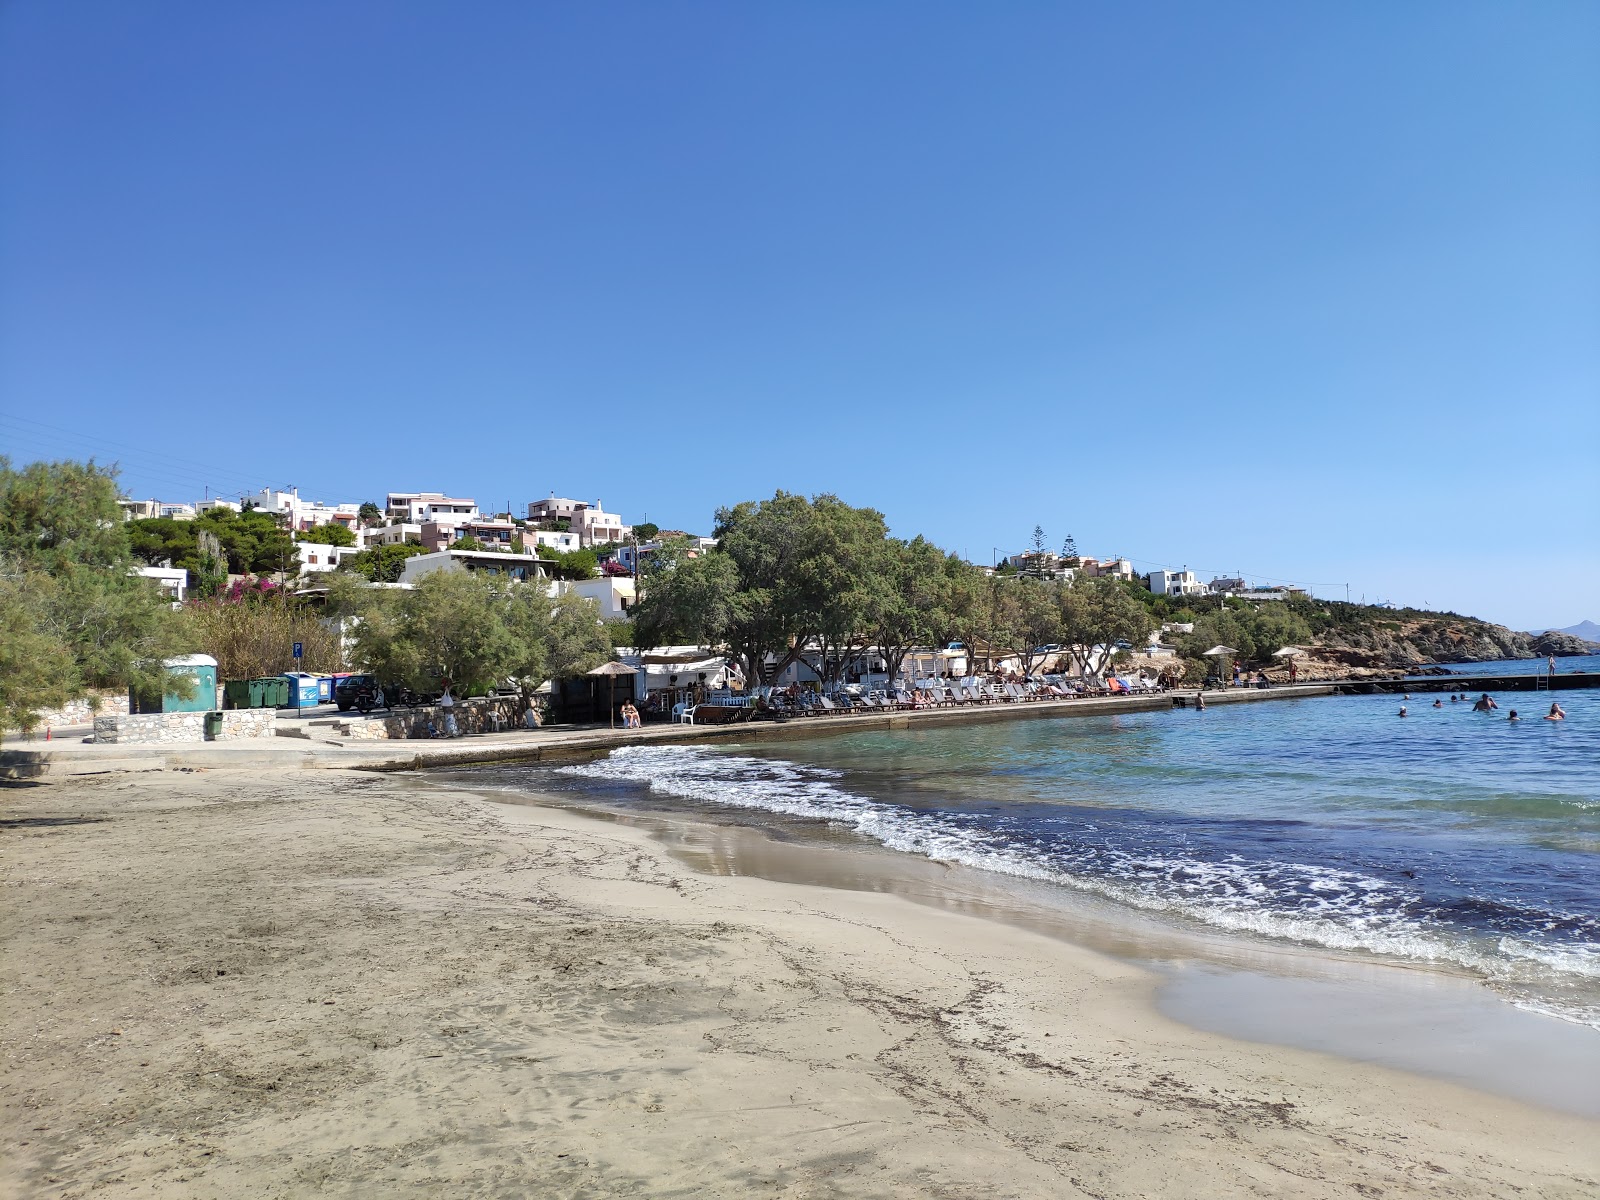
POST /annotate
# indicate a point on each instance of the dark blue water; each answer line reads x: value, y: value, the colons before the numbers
x: 1447, y: 836
x: 1587, y: 664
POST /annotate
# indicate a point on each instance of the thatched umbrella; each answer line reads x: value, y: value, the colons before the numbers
x: 612, y: 669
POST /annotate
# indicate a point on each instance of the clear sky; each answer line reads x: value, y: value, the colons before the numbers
x: 1307, y: 291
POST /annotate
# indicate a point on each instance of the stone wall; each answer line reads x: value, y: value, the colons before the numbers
x: 145, y: 729
x: 240, y: 723
x: 472, y: 716
x: 81, y: 712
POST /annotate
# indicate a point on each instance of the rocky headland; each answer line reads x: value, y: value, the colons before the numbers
x: 1407, y: 641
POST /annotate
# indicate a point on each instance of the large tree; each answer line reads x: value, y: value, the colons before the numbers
x: 253, y: 542
x: 450, y: 630
x: 1096, y: 614
x: 76, y: 618
x: 786, y: 573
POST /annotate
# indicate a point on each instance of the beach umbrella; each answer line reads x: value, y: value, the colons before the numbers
x: 1221, y: 652
x: 1289, y: 652
x: 612, y: 670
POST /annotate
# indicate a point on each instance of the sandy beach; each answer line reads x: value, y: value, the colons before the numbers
x: 290, y: 983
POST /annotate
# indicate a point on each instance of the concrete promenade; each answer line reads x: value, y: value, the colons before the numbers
x: 64, y: 759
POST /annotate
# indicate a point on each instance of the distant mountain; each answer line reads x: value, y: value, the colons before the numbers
x: 1587, y: 630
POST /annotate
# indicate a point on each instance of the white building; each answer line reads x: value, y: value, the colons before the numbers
x: 138, y: 510
x: 389, y: 535
x: 177, y: 511
x: 556, y: 539
x: 316, y: 557
x: 415, y: 508
x: 299, y: 515
x: 1117, y: 568
x: 1176, y: 583
x: 593, y: 525
x: 174, y: 581
x: 217, y: 502
x: 615, y: 594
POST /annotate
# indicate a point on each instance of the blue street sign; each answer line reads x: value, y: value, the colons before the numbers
x: 297, y: 649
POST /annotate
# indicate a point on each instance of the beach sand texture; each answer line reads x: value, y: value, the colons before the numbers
x: 331, y: 983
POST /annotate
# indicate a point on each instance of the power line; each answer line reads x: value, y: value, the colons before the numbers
x: 153, y: 464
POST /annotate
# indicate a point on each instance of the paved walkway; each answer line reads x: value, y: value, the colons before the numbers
x: 57, y: 759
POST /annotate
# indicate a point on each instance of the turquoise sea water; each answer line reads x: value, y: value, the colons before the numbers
x: 1447, y: 837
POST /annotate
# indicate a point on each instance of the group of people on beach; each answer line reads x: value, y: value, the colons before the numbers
x: 1486, y: 703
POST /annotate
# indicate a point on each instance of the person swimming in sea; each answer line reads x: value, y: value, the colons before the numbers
x: 1200, y: 702
x: 1402, y: 710
x: 1438, y: 703
x: 1485, y: 703
x: 1453, y: 697
x: 1513, y: 716
x: 1556, y: 713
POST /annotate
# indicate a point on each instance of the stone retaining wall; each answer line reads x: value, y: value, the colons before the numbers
x: 472, y: 716
x: 80, y: 712
x: 125, y: 729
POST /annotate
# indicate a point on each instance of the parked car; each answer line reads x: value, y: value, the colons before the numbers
x: 346, y: 690
x: 363, y: 693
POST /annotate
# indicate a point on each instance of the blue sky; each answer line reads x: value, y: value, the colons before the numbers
x: 1311, y: 292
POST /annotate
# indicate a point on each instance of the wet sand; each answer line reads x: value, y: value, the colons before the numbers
x: 1437, y: 1020
x: 304, y: 983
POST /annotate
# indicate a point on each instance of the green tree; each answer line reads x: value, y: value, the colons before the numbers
x: 579, y: 564
x: 786, y: 573
x: 76, y: 618
x: 556, y: 639
x: 1095, y: 615
x: 369, y: 513
x: 450, y: 630
x: 331, y: 534
x: 466, y: 543
x: 382, y: 564
x: 36, y: 668
x: 646, y: 530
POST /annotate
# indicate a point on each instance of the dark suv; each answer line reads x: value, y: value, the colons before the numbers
x: 348, y: 689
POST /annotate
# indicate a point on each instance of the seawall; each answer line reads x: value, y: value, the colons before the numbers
x: 42, y: 762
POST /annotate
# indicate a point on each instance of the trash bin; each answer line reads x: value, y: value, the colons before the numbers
x: 237, y: 693
x: 324, y: 689
x: 213, y: 725
x: 275, y: 693
x: 302, y: 689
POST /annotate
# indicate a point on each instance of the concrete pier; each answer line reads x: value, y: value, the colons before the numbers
x: 1471, y: 683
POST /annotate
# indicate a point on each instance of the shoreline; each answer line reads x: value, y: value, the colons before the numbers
x: 263, y: 983
x: 34, y: 761
x: 1433, y: 1019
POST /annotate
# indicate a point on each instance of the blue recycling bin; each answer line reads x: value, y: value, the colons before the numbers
x: 302, y: 689
x: 324, y: 689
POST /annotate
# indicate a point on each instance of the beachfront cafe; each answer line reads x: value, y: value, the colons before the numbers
x: 669, y: 676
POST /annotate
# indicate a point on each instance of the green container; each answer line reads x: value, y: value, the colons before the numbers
x: 213, y: 726
x: 274, y: 693
x: 236, y: 693
x: 258, y: 693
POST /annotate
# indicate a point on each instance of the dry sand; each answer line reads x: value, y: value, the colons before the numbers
x: 320, y: 982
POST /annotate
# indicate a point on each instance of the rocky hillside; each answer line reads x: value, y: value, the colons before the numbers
x: 1417, y: 639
